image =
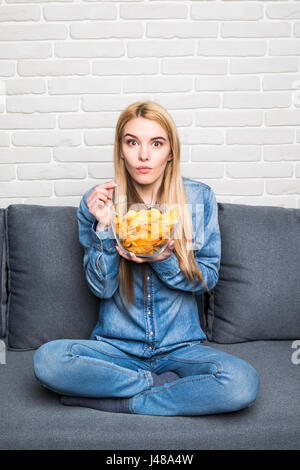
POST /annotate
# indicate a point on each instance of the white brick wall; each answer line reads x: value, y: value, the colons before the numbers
x: 227, y: 71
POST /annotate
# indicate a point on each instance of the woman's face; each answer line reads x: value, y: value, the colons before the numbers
x: 145, y: 143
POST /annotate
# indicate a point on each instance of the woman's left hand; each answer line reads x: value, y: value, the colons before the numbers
x: 164, y: 255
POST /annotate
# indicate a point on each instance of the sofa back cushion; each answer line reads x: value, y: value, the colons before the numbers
x: 3, y: 275
x: 48, y: 295
x: 257, y: 296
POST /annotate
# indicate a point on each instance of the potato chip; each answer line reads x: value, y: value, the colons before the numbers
x: 145, y: 231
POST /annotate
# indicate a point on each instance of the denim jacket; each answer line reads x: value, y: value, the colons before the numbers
x: 168, y: 318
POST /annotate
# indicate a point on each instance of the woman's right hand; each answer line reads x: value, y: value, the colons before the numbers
x: 99, y: 202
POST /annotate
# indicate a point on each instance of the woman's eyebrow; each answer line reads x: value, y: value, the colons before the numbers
x: 153, y: 138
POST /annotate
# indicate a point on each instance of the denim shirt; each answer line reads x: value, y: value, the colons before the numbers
x: 168, y: 318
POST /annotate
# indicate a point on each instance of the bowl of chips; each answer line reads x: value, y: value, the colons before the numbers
x: 144, y: 231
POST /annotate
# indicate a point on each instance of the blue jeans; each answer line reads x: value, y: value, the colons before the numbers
x: 210, y: 381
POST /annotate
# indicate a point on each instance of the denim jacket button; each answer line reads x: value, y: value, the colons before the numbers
x: 151, y: 332
x: 149, y: 295
x: 149, y: 313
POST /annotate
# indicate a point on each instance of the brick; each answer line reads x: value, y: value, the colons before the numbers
x: 152, y: 11
x: 289, y: 117
x: 110, y: 102
x: 259, y: 170
x: 46, y: 139
x: 255, y: 29
x: 80, y: 85
x: 157, y: 84
x: 25, y: 86
x: 21, y: 121
x: 195, y: 66
x: 259, y: 136
x: 87, y: 120
x: 184, y: 30
x: 227, y: 83
x: 42, y: 104
x: 280, y: 152
x: 125, y: 67
x: 104, y: 30
x: 226, y: 118
x: 17, y: 189
x: 226, y: 11
x: 156, y: 48
x: 33, y: 32
x: 283, y: 10
x: 288, y: 81
x: 228, y: 47
x: 111, y: 48
x: 189, y: 100
x: 30, y: 50
x: 74, y: 188
x: 227, y: 153
x: 28, y: 68
x: 21, y: 155
x: 7, y: 172
x: 50, y: 172
x: 284, y: 47
x: 202, y: 170
x: 283, y: 187
x: 264, y: 65
x: 256, y: 100
x: 82, y: 154
x: 80, y: 12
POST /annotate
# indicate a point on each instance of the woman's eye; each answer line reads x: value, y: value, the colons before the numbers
x: 156, y: 142
x: 131, y: 140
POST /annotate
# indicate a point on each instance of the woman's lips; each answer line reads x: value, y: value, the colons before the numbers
x: 144, y: 170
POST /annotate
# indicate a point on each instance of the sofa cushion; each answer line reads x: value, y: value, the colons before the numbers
x: 3, y: 275
x: 272, y: 422
x: 257, y: 296
x: 49, y: 297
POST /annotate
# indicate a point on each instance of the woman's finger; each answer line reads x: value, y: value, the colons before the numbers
x: 171, y: 245
x: 135, y: 258
x: 121, y: 252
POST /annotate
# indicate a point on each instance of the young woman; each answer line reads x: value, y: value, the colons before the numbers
x: 146, y: 354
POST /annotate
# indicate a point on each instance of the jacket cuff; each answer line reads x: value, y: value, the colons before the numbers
x: 103, y: 239
x: 169, y: 266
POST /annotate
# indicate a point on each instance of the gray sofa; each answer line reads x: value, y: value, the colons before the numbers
x: 254, y: 313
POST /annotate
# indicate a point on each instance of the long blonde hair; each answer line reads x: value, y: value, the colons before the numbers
x: 171, y: 192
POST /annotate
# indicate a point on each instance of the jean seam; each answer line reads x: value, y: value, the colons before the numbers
x: 107, y: 365
x: 128, y: 355
x: 96, y: 350
x: 149, y: 379
x: 165, y: 387
x: 191, y: 361
x: 190, y: 345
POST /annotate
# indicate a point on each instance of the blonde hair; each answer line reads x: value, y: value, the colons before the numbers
x: 171, y: 192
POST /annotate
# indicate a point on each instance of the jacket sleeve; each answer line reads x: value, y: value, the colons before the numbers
x: 101, y: 259
x: 208, y: 257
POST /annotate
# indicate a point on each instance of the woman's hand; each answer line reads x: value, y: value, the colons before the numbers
x: 99, y: 202
x: 164, y: 255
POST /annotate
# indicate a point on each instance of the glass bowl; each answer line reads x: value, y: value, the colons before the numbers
x: 144, y: 231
